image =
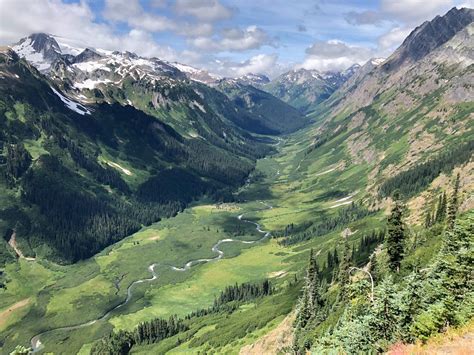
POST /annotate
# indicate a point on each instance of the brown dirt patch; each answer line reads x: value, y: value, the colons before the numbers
x: 275, y: 341
x: 6, y: 314
x: 277, y: 274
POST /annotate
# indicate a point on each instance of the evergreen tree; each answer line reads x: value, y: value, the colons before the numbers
x: 330, y: 260
x: 395, y: 238
x: 336, y: 257
x: 411, y: 303
x: 384, y: 316
x: 428, y: 219
x: 453, y: 205
x: 311, y: 302
x: 344, y: 267
x: 456, y: 260
x: 441, y: 211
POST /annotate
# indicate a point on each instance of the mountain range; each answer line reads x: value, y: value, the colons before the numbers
x: 98, y: 145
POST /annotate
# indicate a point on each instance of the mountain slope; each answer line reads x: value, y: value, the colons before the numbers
x: 91, y: 174
x: 402, y: 132
x: 269, y: 115
x: 395, y: 116
x: 174, y: 93
x: 305, y: 89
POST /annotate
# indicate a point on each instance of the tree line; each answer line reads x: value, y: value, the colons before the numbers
x: 418, y: 177
x: 149, y: 332
x: 155, y: 330
x: 345, y: 215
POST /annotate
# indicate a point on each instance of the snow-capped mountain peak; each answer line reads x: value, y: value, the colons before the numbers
x: 256, y: 80
x: 39, y: 49
x: 195, y: 74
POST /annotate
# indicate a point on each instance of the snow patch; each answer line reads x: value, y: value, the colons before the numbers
x: 377, y: 61
x: 198, y: 105
x: 90, y: 84
x: 326, y: 172
x: 89, y: 67
x: 26, y: 50
x: 341, y: 204
x: 74, y: 106
x: 121, y: 168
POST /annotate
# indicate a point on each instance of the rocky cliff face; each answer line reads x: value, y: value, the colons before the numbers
x: 417, y: 67
x: 430, y: 36
x: 393, y: 114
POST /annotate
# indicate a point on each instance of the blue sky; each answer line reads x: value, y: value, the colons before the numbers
x: 229, y: 37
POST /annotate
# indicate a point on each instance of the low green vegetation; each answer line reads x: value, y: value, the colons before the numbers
x: 407, y: 303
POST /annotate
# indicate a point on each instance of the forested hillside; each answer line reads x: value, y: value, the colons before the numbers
x: 266, y: 110
x: 414, y: 285
x: 76, y: 179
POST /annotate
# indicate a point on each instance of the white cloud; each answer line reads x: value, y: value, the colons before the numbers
x: 334, y: 55
x: 393, y: 38
x: 367, y: 17
x: 234, y: 39
x: 404, y: 12
x: 415, y: 11
x: 19, y: 18
x: 261, y: 63
x: 204, y: 10
x: 132, y: 13
x: 75, y: 23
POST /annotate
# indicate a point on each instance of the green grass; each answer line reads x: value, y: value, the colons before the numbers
x: 65, y: 295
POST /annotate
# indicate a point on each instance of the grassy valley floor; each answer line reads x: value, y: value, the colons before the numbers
x: 290, y: 187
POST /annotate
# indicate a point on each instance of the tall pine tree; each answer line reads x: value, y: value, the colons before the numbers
x: 453, y: 205
x: 441, y: 211
x: 395, y: 238
x: 344, y: 267
x: 311, y: 302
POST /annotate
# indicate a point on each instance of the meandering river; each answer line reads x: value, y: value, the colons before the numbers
x: 36, y: 343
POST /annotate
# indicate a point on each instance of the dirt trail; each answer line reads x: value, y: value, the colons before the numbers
x: 453, y: 342
x: 12, y: 243
x: 6, y: 313
x: 275, y: 342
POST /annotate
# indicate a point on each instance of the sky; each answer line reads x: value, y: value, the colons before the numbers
x: 229, y: 37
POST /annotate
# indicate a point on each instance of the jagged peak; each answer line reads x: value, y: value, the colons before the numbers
x: 42, y: 42
x: 429, y: 36
x: 87, y: 54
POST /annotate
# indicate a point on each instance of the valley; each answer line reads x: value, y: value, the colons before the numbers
x: 150, y: 207
x: 152, y: 270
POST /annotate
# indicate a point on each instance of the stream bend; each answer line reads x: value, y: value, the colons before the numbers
x: 36, y: 343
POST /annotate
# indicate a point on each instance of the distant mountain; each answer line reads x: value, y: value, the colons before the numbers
x: 195, y: 74
x: 430, y: 36
x: 39, y: 49
x: 418, y: 67
x: 305, y: 89
x: 180, y: 95
x: 266, y: 110
x: 255, y: 80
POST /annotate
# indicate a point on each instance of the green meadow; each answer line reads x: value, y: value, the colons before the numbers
x: 299, y: 186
